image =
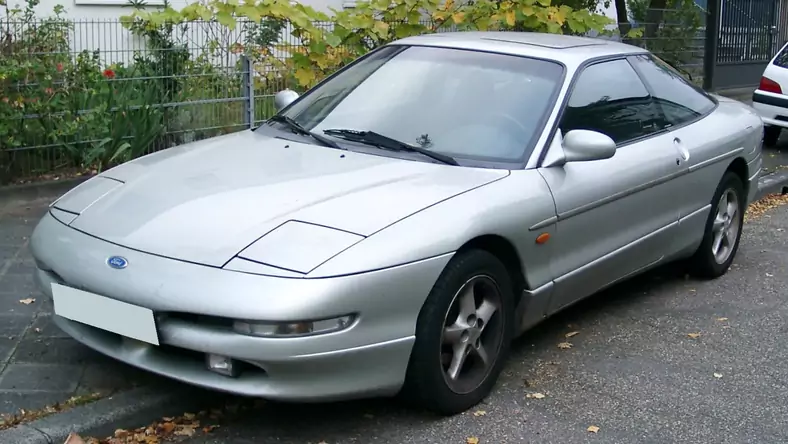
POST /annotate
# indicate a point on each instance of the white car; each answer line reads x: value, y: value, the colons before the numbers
x: 770, y: 99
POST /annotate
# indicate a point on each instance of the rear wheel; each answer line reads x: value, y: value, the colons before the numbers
x: 462, y: 335
x: 723, y: 229
x: 771, y: 134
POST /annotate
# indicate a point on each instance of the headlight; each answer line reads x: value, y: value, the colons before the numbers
x: 293, y: 329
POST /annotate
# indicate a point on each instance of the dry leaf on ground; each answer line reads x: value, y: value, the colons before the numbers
x: 472, y: 440
x: 564, y: 345
x: 761, y: 206
x: 718, y: 375
x: 693, y: 335
x: 27, y: 301
x: 571, y: 333
x: 479, y: 413
x: 535, y: 395
x: 593, y: 429
x: 73, y: 438
x: 722, y: 319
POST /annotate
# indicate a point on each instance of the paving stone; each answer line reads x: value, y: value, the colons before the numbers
x: 41, y: 377
x: 20, y: 267
x: 13, y: 325
x: 44, y: 327
x: 15, y: 234
x: 6, y: 349
x: 53, y: 351
x: 10, y: 305
x: 18, y: 283
x: 13, y: 401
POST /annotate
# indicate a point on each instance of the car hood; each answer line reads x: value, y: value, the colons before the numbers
x: 206, y: 201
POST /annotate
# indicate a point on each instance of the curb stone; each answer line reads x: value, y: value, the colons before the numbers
x: 772, y: 183
x: 129, y: 409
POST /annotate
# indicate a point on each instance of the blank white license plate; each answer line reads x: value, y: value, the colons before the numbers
x: 107, y: 314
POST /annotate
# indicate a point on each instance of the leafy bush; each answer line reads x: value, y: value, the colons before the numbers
x: 87, y: 116
x: 328, y: 42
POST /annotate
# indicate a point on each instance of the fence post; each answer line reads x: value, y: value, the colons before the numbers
x: 247, y: 90
x: 711, y: 43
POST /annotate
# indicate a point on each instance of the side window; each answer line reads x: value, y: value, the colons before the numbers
x: 679, y: 100
x: 609, y: 97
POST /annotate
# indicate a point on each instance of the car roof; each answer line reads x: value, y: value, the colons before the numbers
x: 568, y: 49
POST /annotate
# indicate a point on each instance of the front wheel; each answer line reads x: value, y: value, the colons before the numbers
x: 462, y: 334
x: 723, y: 229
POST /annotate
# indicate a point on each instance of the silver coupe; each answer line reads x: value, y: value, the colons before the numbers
x: 393, y: 228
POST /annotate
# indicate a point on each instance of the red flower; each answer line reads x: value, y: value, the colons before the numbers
x: 59, y: 67
x: 108, y: 73
x: 49, y: 91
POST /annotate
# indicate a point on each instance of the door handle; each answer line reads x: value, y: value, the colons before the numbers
x: 683, y: 152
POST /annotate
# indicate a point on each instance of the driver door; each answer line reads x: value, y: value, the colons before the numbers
x: 615, y: 216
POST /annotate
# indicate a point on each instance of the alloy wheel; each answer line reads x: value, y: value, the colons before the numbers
x: 725, y: 228
x: 472, y: 334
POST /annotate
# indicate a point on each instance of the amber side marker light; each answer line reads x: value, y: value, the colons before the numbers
x: 542, y: 238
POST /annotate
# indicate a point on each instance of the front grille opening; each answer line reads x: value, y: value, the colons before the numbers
x: 197, y: 319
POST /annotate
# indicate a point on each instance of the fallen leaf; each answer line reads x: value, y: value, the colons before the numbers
x: 564, y: 345
x: 722, y: 319
x: 571, y: 333
x: 209, y: 429
x: 184, y: 431
x: 593, y: 429
x: 189, y: 416
x: 479, y: 413
x: 769, y: 275
x: 693, y: 335
x: 718, y: 375
x: 27, y: 301
x: 73, y: 438
x: 167, y: 427
x: 472, y: 440
x: 535, y: 395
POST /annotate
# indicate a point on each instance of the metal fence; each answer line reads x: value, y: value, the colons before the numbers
x: 75, y: 93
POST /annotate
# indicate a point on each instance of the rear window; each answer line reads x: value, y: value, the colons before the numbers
x: 781, y: 59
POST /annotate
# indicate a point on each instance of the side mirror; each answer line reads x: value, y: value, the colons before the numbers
x: 585, y: 145
x: 284, y: 98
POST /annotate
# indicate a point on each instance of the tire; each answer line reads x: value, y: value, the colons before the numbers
x: 771, y: 134
x: 428, y: 383
x: 705, y: 263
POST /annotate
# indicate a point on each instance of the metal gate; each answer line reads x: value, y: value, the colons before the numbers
x: 749, y: 36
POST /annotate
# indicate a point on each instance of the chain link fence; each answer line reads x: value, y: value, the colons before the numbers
x: 78, y: 92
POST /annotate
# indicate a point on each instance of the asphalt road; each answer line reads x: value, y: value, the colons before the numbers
x: 633, y: 371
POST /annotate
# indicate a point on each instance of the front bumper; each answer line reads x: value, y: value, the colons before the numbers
x: 369, y: 358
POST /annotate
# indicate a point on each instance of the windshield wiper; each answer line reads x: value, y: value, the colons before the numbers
x: 381, y: 141
x: 297, y: 128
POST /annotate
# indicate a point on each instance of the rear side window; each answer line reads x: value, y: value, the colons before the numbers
x: 781, y: 59
x: 680, y: 101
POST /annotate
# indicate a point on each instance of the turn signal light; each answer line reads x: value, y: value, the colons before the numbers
x: 770, y: 85
x: 293, y: 329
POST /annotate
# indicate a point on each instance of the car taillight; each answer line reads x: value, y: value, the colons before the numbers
x: 769, y: 85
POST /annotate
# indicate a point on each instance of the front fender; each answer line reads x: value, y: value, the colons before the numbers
x: 506, y: 208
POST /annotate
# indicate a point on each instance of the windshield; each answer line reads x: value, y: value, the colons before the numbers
x: 466, y: 104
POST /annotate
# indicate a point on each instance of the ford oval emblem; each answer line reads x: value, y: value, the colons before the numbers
x: 117, y: 262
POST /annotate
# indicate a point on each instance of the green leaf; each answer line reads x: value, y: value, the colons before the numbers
x: 333, y: 39
x: 226, y: 19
